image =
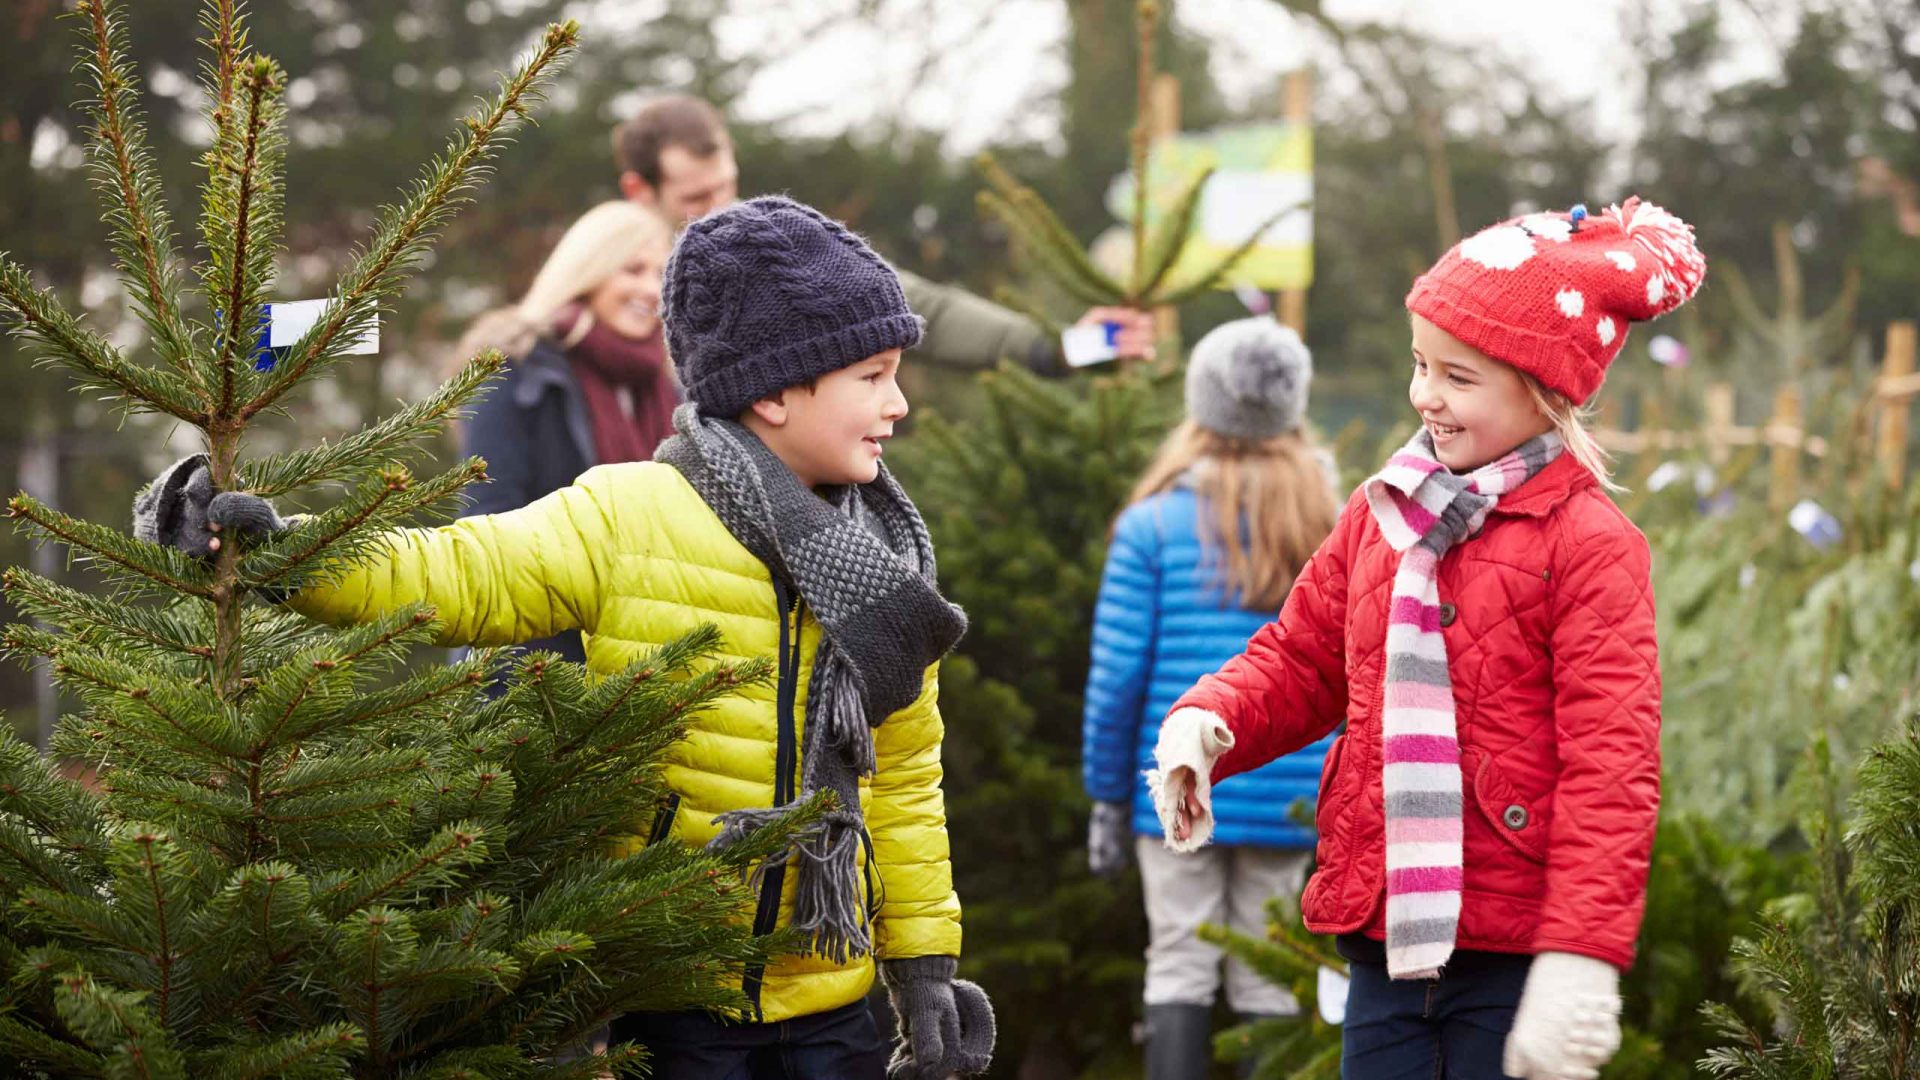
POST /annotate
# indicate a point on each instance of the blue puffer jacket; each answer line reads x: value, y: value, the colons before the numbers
x: 1162, y: 623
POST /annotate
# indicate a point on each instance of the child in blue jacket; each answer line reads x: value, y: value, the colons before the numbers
x: 1204, y: 553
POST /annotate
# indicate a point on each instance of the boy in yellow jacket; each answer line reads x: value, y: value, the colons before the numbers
x: 769, y: 515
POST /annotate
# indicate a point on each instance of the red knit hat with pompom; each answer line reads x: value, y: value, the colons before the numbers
x: 1552, y: 293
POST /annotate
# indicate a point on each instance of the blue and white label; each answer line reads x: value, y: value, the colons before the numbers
x: 288, y: 322
x: 1094, y: 343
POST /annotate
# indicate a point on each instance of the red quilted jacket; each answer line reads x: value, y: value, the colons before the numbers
x: 1548, y: 617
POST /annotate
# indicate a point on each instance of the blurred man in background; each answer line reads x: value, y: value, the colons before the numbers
x: 676, y: 156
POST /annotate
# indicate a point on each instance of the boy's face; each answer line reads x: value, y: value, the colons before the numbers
x: 1475, y: 407
x: 832, y: 434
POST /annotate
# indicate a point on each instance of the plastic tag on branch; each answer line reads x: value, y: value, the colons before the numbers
x: 1331, y: 988
x: 1811, y: 520
x: 1667, y: 351
x: 287, y: 322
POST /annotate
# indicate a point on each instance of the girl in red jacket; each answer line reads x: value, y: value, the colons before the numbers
x: 1482, y: 620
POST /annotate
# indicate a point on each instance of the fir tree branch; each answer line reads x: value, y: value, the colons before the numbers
x: 97, y: 364
x: 163, y: 958
x: 405, y: 231
x: 1207, y: 278
x: 328, y: 1051
x: 406, y: 628
x: 340, y: 536
x: 381, y: 446
x: 64, y: 814
x: 452, y: 847
x: 437, y: 684
x: 90, y: 616
x: 1170, y: 239
x: 34, y: 1046
x: 171, y: 569
x: 86, y: 672
x: 127, y: 180
x: 240, y: 291
x: 117, y: 1019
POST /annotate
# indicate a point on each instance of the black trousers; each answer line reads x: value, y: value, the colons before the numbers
x: 841, y: 1044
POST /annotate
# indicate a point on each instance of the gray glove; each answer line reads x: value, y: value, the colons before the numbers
x: 1109, y: 838
x: 946, y: 1024
x: 180, y: 509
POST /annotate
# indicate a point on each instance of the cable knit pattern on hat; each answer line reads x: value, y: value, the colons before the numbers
x: 1552, y: 293
x: 770, y: 293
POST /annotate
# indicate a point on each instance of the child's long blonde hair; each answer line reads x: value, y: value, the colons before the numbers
x: 1266, y: 504
x: 593, y: 249
x: 1570, y: 423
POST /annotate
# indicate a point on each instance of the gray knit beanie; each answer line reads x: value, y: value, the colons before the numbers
x: 771, y: 293
x: 1247, y: 379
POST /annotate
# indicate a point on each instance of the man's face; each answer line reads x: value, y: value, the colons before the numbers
x: 691, y: 186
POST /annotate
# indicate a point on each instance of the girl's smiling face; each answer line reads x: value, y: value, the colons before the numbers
x: 1475, y: 407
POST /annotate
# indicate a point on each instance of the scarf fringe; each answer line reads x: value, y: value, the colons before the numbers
x: 826, y: 901
x: 838, y: 706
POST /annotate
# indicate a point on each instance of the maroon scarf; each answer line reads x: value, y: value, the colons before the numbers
x: 610, y: 367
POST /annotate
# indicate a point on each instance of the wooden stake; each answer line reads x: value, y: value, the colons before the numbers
x: 1296, y: 95
x: 1163, y: 122
x: 1896, y: 396
x: 1719, y: 407
x: 1783, y: 444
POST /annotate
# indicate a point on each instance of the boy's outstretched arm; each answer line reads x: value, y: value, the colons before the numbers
x: 1287, y: 689
x: 497, y: 579
x: 493, y: 580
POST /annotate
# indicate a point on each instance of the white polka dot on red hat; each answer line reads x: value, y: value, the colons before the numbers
x: 1571, y: 302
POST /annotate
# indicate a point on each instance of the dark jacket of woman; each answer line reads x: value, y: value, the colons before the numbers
x: 531, y: 426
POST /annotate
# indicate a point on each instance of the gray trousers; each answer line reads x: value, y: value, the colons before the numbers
x: 1226, y: 886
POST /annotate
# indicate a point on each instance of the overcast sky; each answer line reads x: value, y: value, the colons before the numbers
x: 992, y: 61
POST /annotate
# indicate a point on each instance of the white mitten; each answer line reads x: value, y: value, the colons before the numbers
x: 1568, y: 1023
x: 1189, y: 739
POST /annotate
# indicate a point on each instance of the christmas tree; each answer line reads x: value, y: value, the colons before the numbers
x: 1303, y: 1047
x: 1842, y: 965
x: 301, y: 856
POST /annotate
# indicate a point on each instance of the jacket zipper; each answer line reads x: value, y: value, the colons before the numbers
x: 767, y: 915
x: 663, y: 821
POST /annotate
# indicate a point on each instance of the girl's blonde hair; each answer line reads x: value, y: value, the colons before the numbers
x: 1267, y: 504
x: 593, y: 249
x: 1570, y: 423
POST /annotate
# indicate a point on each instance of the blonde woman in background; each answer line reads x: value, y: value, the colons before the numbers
x: 587, y: 380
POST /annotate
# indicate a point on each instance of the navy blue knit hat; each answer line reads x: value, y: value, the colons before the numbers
x: 771, y: 293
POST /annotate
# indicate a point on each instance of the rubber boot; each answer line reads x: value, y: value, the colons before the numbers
x: 1179, y: 1042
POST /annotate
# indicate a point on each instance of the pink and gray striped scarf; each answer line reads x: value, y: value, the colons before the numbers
x: 1423, y: 510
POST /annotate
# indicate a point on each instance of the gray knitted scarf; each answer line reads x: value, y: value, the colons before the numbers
x: 862, y: 560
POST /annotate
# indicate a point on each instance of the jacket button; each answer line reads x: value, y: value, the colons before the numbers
x: 1447, y: 612
x: 1516, y: 817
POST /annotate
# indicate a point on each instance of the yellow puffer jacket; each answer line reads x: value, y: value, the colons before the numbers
x: 632, y: 556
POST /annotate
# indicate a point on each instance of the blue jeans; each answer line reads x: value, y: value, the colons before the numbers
x: 841, y: 1044
x: 1450, y: 1028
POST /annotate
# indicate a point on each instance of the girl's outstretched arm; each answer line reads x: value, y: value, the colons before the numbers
x: 1288, y: 688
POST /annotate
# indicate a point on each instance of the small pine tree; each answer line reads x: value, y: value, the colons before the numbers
x: 1842, y: 966
x: 1303, y: 1047
x: 301, y: 859
x: 1044, y: 239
